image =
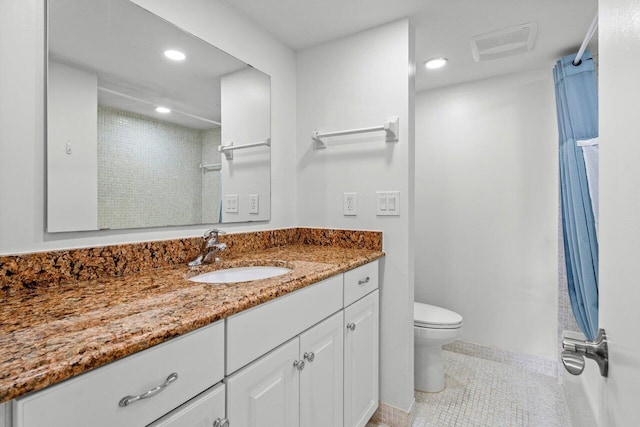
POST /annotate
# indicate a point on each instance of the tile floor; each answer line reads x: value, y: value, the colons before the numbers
x: 484, y: 393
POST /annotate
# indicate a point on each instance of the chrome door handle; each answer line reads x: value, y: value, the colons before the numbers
x: 299, y: 365
x: 572, y: 362
x: 309, y: 356
x: 128, y: 400
x: 221, y: 422
x: 364, y: 281
x: 351, y: 326
x: 574, y: 352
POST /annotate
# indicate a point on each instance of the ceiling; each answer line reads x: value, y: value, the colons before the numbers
x: 124, y: 45
x: 443, y: 28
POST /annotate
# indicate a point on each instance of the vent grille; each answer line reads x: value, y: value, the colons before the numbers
x: 504, y: 43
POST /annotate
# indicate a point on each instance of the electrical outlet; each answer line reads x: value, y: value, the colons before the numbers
x: 388, y: 203
x: 231, y: 203
x: 350, y: 206
x: 254, y: 206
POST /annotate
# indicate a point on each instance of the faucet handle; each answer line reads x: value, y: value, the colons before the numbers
x: 213, y: 232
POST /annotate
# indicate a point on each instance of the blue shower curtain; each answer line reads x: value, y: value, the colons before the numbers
x: 577, y: 109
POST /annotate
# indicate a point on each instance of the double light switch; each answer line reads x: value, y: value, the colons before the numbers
x: 388, y: 203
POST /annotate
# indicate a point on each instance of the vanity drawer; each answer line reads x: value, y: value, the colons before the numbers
x: 359, y: 282
x: 202, y: 410
x: 256, y: 331
x: 92, y: 399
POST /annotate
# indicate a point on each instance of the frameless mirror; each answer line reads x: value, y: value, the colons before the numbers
x: 149, y: 126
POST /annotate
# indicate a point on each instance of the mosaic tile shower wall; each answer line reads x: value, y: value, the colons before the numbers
x: 138, y: 155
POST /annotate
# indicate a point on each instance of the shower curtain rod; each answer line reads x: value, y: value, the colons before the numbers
x: 587, y: 38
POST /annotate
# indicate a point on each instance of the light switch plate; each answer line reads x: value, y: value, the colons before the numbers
x: 254, y: 206
x: 350, y: 204
x: 388, y: 203
x: 231, y: 203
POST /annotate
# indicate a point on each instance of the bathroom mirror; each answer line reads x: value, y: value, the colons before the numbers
x: 137, y: 110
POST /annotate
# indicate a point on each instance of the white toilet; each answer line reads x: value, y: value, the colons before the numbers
x: 433, y: 327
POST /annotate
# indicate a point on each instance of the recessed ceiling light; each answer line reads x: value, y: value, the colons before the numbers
x: 163, y: 110
x: 175, y: 55
x: 434, y: 63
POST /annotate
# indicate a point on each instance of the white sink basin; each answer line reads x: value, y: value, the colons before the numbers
x: 240, y: 274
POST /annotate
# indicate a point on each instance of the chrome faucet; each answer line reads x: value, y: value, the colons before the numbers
x: 210, y: 247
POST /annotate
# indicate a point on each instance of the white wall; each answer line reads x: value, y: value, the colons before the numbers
x: 619, y: 232
x: 486, y: 208
x: 72, y: 187
x: 355, y: 82
x: 245, y: 100
x: 22, y: 159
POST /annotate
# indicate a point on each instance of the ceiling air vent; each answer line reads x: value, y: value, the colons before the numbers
x: 503, y: 43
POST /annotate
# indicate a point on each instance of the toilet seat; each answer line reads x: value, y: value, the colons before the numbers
x: 434, y: 317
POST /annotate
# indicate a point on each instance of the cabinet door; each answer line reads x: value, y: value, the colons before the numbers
x: 361, y: 361
x: 266, y: 393
x: 321, y: 381
x: 202, y: 410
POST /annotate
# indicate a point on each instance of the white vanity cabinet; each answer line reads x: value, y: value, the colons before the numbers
x: 321, y: 387
x: 297, y: 384
x: 267, y: 392
x: 170, y: 373
x: 254, y: 332
x: 204, y: 410
x: 361, y: 360
x: 325, y: 375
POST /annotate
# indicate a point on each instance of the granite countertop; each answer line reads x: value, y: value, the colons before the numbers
x: 53, y: 333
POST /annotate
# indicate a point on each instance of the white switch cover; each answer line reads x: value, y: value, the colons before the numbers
x: 231, y: 203
x: 350, y: 207
x: 388, y: 203
x: 254, y: 206
x: 382, y: 204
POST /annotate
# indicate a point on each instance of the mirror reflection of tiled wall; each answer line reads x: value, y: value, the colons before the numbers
x: 138, y: 156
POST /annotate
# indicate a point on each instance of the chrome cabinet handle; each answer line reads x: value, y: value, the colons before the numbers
x: 364, y: 281
x: 128, y: 400
x: 299, y: 365
x: 351, y: 326
x: 309, y: 356
x: 221, y: 422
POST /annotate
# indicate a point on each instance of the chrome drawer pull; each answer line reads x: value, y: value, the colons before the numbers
x: 221, y: 422
x: 128, y: 400
x: 364, y: 281
x: 310, y: 356
x: 351, y: 326
x: 298, y: 364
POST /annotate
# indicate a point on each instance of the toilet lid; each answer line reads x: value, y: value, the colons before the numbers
x: 426, y: 315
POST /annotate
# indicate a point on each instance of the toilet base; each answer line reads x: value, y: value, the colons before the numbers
x: 429, y: 368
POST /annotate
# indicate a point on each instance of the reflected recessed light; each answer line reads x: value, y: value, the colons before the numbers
x: 163, y: 110
x: 176, y: 55
x: 434, y: 63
